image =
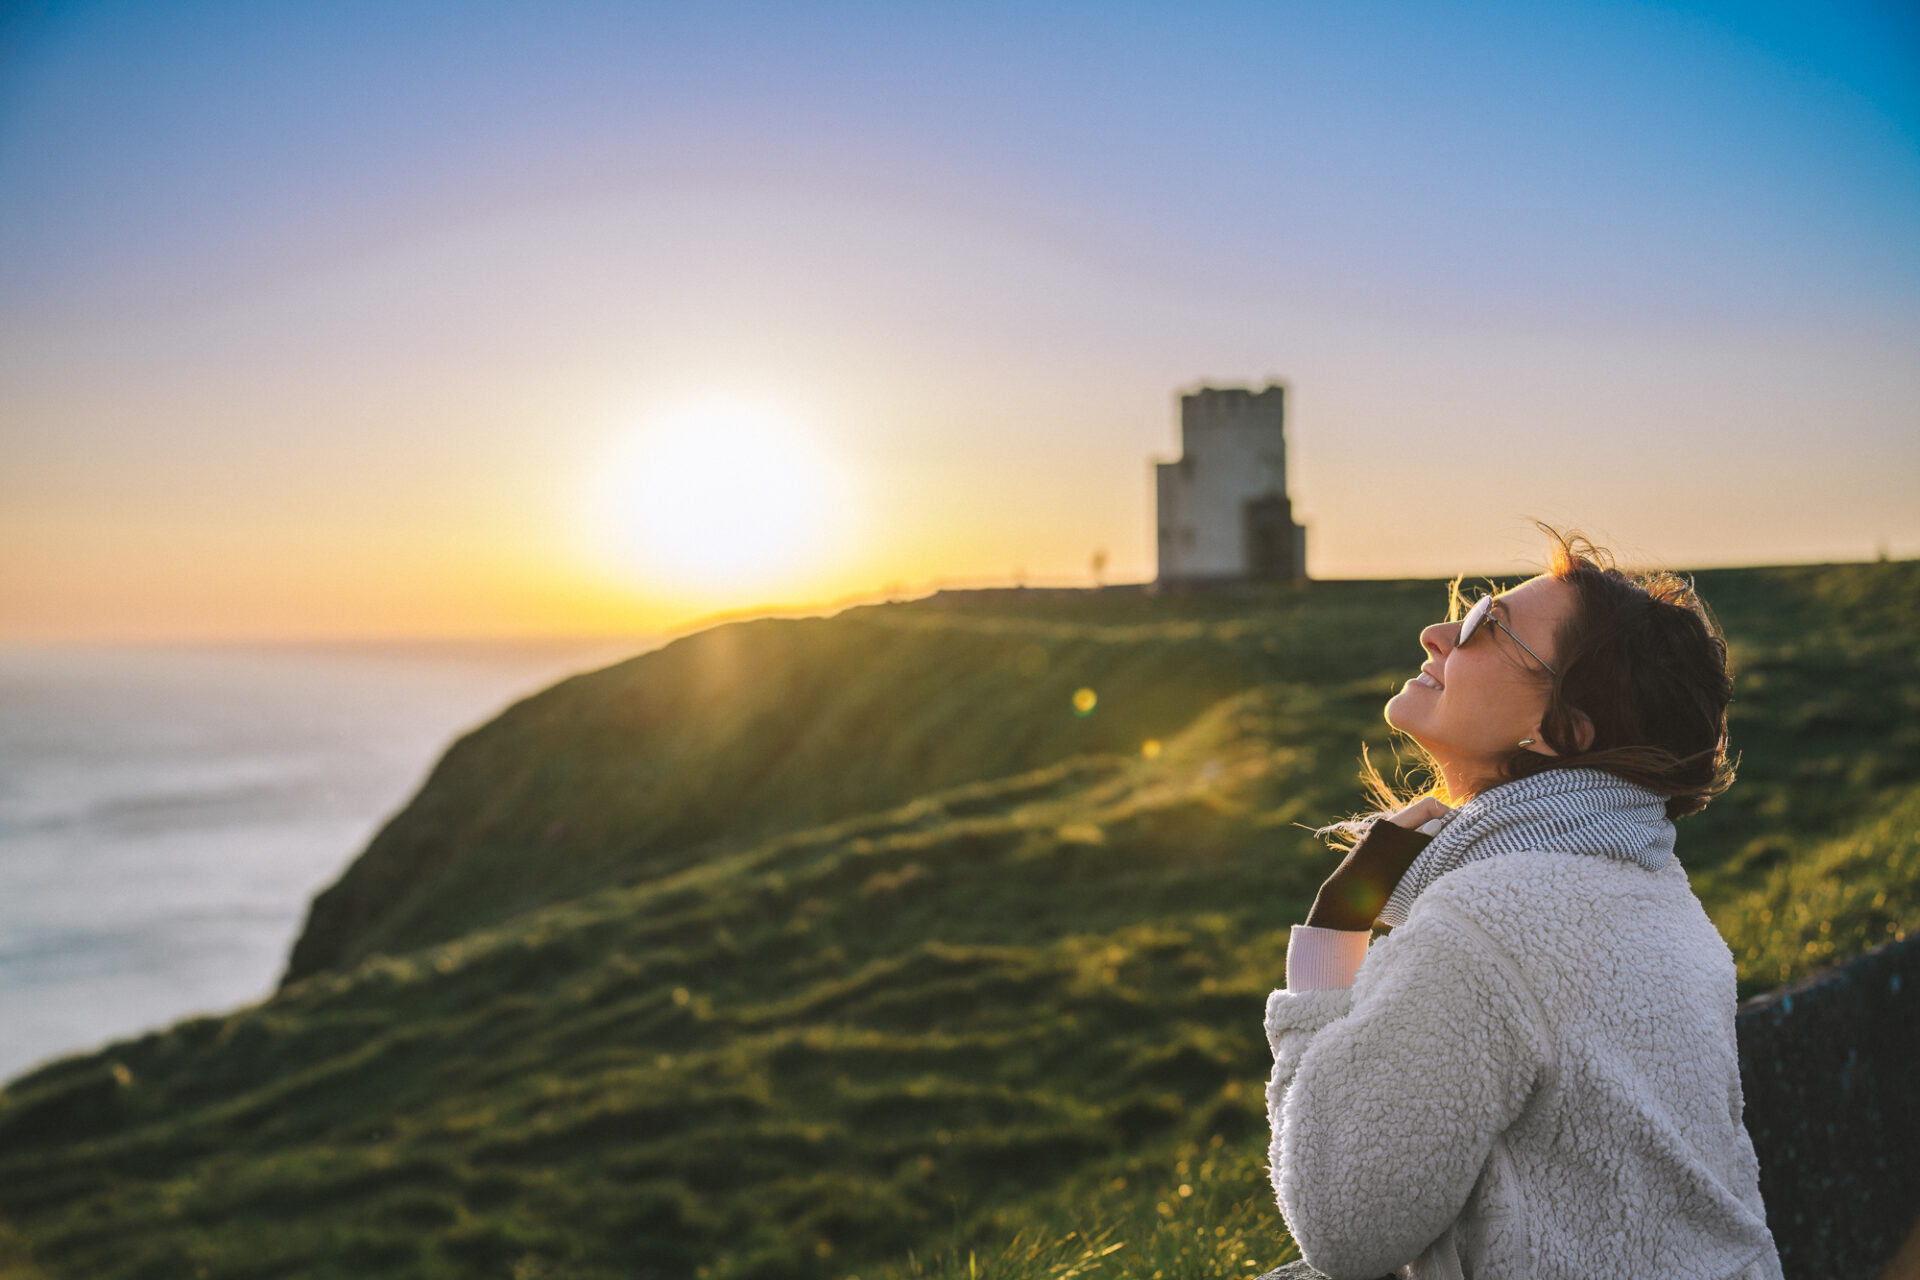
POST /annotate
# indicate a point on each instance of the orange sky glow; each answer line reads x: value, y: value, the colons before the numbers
x: 279, y: 361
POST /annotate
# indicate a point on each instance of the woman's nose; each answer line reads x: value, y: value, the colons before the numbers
x: 1438, y: 638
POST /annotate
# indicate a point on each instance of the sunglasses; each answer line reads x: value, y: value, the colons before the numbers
x: 1482, y: 612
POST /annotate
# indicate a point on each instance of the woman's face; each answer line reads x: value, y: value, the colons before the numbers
x: 1484, y: 698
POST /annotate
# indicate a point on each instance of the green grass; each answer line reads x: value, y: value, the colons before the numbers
x: 849, y: 947
x: 1840, y: 897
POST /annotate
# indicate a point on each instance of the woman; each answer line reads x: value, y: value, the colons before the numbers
x: 1533, y: 1074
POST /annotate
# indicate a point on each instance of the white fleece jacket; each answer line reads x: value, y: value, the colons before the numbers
x: 1533, y: 1078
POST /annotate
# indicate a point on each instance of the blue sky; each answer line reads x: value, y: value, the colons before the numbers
x: 1636, y: 154
x: 1691, y: 212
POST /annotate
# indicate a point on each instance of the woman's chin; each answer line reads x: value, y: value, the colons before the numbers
x: 1403, y: 712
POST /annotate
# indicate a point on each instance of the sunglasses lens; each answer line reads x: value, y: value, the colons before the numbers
x: 1475, y: 616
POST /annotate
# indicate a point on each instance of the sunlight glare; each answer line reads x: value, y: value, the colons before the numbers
x: 717, y: 498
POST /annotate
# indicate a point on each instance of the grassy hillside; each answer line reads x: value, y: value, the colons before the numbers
x: 853, y: 947
x: 759, y: 727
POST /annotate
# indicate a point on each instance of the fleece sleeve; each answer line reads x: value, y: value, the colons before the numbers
x: 1387, y: 1097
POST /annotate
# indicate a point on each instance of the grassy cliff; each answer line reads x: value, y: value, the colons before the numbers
x: 853, y: 946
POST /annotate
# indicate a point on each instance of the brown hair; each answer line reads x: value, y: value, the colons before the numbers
x: 1643, y: 658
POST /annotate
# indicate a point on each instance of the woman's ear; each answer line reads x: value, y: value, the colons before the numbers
x: 1582, y: 735
x: 1582, y: 729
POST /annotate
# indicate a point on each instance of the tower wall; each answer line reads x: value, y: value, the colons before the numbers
x: 1233, y: 454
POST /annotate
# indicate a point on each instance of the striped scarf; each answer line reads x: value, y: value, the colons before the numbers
x: 1560, y: 810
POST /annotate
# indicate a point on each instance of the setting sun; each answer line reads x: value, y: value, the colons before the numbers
x: 716, y: 498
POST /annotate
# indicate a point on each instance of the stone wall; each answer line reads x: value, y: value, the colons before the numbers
x: 1831, y: 1071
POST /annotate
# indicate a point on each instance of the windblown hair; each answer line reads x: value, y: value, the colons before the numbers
x: 1643, y: 658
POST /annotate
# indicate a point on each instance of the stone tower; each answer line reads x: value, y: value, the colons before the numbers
x: 1224, y: 514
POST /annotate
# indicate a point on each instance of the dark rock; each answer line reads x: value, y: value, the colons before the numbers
x: 1828, y: 1066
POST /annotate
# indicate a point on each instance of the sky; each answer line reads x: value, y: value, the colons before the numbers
x: 440, y: 319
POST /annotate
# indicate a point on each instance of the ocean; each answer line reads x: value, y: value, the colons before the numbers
x: 167, y: 811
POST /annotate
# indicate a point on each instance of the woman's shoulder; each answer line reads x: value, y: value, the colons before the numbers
x: 1521, y: 892
x: 1603, y: 944
x: 1590, y: 938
